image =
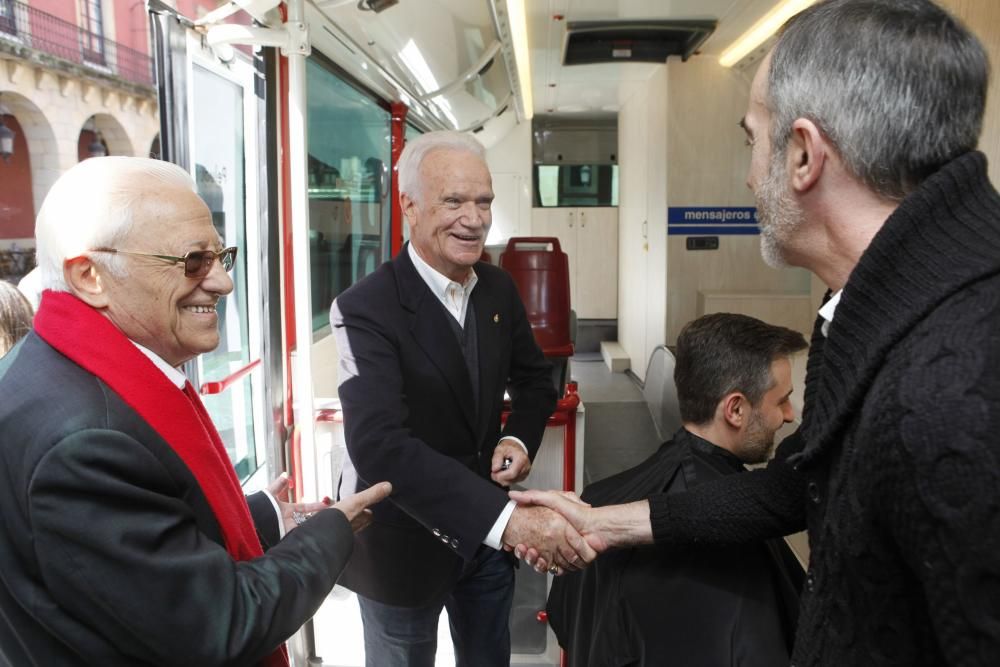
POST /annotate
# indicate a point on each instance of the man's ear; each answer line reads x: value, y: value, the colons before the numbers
x: 408, y: 207
x: 806, y: 154
x: 735, y: 409
x: 85, y: 281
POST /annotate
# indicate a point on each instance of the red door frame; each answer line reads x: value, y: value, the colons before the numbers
x: 398, y: 112
x: 398, y: 133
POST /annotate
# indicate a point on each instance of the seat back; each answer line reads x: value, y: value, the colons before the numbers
x: 660, y: 393
x: 540, y: 270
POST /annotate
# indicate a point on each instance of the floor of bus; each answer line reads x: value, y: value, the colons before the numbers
x: 619, y: 433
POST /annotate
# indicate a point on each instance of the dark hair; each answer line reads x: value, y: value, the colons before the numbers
x: 15, y: 316
x: 724, y: 352
x: 898, y: 86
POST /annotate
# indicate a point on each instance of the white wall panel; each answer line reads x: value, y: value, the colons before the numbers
x: 509, y: 160
x: 642, y: 218
x: 707, y: 161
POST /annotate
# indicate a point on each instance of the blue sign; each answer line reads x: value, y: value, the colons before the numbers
x: 714, y: 220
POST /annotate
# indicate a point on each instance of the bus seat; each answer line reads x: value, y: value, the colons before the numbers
x: 540, y: 270
x: 660, y: 393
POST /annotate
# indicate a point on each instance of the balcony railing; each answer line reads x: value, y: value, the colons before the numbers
x: 52, y: 35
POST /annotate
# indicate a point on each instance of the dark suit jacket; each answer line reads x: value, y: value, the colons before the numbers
x: 410, y: 418
x: 691, y: 606
x: 109, y: 552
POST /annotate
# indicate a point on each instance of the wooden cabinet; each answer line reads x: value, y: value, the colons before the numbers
x: 589, y: 237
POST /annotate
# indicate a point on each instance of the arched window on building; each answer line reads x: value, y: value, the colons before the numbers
x: 17, y: 208
x: 91, y: 142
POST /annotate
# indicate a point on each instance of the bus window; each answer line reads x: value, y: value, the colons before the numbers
x: 349, y: 186
x: 576, y: 185
x: 219, y: 172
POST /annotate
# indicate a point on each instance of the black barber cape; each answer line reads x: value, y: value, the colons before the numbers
x: 697, y: 606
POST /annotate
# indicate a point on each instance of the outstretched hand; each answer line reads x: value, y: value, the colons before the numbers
x: 355, y: 508
x: 576, y: 512
x: 292, y: 514
x: 559, y: 546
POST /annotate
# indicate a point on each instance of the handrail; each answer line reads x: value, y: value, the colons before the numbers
x: 563, y: 415
x: 295, y: 462
x: 567, y: 406
x: 220, y: 386
x: 297, y: 149
x: 465, y: 76
x: 514, y: 241
x: 330, y: 415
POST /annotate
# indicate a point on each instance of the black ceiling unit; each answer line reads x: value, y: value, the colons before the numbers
x: 636, y: 40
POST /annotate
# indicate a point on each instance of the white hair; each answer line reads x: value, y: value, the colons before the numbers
x: 408, y: 167
x: 91, y: 206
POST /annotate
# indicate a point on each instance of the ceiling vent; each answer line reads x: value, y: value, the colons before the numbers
x: 589, y: 42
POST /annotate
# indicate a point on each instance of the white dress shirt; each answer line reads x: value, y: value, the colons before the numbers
x: 455, y: 298
x: 827, y: 311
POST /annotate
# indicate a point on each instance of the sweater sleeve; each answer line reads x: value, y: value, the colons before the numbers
x: 755, y: 505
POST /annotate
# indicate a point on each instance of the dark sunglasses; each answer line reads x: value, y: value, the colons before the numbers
x: 197, y: 263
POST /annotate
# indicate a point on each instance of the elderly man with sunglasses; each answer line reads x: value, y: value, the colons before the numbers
x: 126, y: 538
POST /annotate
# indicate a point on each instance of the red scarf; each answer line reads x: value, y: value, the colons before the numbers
x: 92, y: 342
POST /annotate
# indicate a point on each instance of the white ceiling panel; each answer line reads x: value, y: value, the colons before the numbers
x: 594, y: 88
x: 426, y: 44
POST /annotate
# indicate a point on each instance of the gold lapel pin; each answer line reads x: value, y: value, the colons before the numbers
x: 496, y: 318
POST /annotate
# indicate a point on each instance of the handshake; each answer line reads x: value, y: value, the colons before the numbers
x: 557, y: 532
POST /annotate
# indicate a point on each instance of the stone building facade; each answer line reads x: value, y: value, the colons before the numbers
x: 74, y: 75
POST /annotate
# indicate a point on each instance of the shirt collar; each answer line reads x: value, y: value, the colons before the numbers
x: 827, y: 311
x: 174, y: 375
x: 437, y: 281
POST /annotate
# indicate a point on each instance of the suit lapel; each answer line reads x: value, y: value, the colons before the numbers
x: 432, y: 332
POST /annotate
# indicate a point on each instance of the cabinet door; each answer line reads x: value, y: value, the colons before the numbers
x: 597, y: 263
x: 561, y: 223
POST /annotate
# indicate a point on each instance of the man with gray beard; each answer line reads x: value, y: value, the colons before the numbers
x: 863, y: 123
x: 778, y: 216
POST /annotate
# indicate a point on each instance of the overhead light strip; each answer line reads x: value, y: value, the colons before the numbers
x: 762, y: 30
x: 518, y: 22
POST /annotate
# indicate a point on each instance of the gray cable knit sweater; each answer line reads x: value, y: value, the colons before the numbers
x: 896, y: 469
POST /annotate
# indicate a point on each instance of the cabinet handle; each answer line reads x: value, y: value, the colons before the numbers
x: 583, y: 219
x: 571, y: 218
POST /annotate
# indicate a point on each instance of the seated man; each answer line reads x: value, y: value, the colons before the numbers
x: 126, y: 539
x: 695, y: 606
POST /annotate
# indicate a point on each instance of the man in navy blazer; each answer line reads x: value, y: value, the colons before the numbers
x: 428, y: 343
